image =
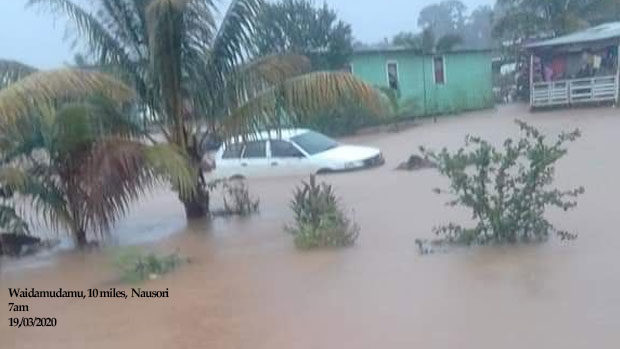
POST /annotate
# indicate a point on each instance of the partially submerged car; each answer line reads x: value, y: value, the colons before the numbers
x: 288, y: 152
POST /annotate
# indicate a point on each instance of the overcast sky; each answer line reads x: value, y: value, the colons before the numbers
x: 36, y: 38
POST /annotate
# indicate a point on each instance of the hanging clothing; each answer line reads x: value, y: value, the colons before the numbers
x: 558, y: 66
x: 548, y: 73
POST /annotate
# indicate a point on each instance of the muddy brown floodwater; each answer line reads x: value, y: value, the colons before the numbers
x: 248, y: 287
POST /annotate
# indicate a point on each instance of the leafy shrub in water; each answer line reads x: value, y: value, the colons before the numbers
x: 506, y: 190
x: 237, y: 199
x: 136, y: 265
x: 319, y: 220
x: 235, y: 196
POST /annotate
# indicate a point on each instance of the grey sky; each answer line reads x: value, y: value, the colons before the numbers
x: 36, y: 38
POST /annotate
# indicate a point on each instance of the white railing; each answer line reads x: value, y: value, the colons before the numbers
x: 575, y: 91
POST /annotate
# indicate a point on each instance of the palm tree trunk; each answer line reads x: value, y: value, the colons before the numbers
x: 197, y: 206
x: 80, y: 238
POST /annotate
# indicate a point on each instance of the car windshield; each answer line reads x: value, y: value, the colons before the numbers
x: 314, y: 142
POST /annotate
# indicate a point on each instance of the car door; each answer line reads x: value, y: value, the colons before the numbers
x: 229, y: 162
x: 253, y: 161
x: 286, y: 159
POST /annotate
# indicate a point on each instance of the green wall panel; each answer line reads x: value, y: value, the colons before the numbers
x: 468, y: 79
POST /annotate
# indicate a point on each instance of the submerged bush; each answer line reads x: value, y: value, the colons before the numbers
x: 319, y: 220
x: 506, y: 190
x: 136, y: 265
x: 237, y: 199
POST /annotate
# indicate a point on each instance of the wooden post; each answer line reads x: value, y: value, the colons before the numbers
x: 531, y: 80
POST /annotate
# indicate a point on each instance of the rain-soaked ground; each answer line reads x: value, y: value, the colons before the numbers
x: 247, y: 286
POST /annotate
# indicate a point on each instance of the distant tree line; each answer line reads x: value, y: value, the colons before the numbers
x: 447, y: 24
x: 298, y: 26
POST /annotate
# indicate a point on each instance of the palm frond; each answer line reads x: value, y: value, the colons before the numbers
x: 299, y: 99
x: 165, y: 25
x: 230, y: 47
x: 169, y: 164
x: 111, y: 120
x: 42, y: 89
x: 273, y: 69
x: 101, y: 42
x: 24, y: 136
x: 251, y: 79
x: 12, y: 178
x: 125, y: 21
x: 233, y: 42
x: 119, y: 171
x: 46, y: 198
x: 73, y: 130
x: 10, y: 221
x: 12, y: 71
x: 234, y: 36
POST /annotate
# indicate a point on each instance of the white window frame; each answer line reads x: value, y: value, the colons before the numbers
x: 387, y: 72
x: 445, y: 75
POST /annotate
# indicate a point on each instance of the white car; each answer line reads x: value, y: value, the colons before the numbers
x: 289, y: 152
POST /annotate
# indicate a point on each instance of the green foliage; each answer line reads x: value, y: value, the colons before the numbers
x: 237, y: 199
x: 80, y: 164
x: 506, y: 190
x: 450, y: 19
x: 427, y: 42
x: 444, y: 17
x: 343, y: 120
x: 407, y: 39
x: 448, y: 42
x: 297, y: 26
x: 401, y: 108
x: 519, y: 20
x: 135, y: 265
x: 349, y: 117
x: 319, y: 220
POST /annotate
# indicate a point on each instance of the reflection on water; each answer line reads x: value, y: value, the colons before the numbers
x: 247, y: 287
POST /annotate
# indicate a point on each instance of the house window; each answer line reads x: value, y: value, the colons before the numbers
x: 392, y: 72
x: 439, y: 69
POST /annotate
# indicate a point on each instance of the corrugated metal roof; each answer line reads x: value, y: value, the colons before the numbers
x: 600, y: 32
x: 382, y: 47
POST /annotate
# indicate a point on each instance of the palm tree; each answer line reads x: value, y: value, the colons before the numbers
x: 191, y: 73
x: 69, y: 149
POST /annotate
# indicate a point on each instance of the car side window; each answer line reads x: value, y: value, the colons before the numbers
x: 255, y: 150
x: 284, y: 149
x: 233, y: 151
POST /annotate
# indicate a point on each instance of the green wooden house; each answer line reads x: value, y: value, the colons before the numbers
x: 428, y: 84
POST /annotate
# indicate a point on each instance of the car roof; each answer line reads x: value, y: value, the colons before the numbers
x: 285, y: 134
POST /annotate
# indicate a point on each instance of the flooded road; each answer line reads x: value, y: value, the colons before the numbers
x: 247, y: 286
